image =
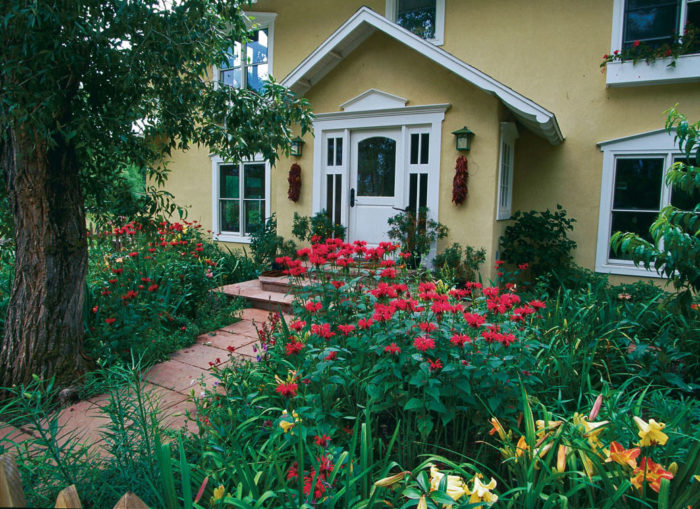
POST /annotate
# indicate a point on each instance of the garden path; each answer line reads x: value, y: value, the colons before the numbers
x: 174, y: 383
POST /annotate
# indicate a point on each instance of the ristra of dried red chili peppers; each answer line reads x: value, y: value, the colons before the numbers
x: 459, y: 183
x: 294, y: 182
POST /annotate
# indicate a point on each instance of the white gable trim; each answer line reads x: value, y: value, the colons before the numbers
x: 373, y: 99
x: 365, y: 22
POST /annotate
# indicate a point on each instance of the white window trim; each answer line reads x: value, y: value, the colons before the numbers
x: 261, y: 20
x: 509, y: 133
x: 217, y: 234
x: 652, y: 144
x: 439, y: 39
x: 625, y: 74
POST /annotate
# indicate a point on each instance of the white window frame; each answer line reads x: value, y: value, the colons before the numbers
x: 256, y: 20
x: 392, y: 8
x: 654, y: 144
x: 506, y: 167
x: 624, y: 74
x: 216, y: 163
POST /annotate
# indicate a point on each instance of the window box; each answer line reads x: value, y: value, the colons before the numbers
x: 626, y: 74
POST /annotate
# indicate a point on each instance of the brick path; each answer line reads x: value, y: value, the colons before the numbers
x: 173, y: 382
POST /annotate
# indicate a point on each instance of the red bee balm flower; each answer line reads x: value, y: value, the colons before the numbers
x: 423, y: 344
x: 288, y: 390
x: 435, y: 365
x: 392, y: 349
x: 322, y: 441
x: 110, y: 321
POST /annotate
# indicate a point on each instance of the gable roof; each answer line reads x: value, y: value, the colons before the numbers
x: 366, y: 22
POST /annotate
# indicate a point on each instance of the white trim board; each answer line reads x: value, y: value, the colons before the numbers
x: 365, y: 22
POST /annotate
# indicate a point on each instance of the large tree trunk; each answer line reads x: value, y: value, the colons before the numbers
x: 44, y: 327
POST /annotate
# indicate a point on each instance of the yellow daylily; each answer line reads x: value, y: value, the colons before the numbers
x: 219, y: 493
x: 287, y: 426
x: 482, y: 492
x: 497, y: 428
x: 650, y: 433
x: 543, y: 428
x: 456, y: 487
x: 422, y: 503
x: 591, y: 430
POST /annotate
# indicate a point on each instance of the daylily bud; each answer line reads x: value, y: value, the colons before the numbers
x: 561, y: 459
x: 391, y: 480
x: 596, y: 407
x: 673, y: 468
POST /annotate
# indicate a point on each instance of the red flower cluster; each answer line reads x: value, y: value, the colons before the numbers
x: 287, y: 390
x: 423, y: 343
x: 392, y: 349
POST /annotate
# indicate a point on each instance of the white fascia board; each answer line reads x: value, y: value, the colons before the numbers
x: 365, y: 21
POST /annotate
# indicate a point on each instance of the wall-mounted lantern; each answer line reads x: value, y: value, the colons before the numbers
x: 296, y: 147
x: 463, y: 137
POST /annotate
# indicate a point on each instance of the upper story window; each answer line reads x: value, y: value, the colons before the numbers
x: 250, y: 61
x: 657, y: 22
x: 661, y: 28
x: 425, y: 18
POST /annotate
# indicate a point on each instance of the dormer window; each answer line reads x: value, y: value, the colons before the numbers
x: 425, y: 18
x: 250, y: 62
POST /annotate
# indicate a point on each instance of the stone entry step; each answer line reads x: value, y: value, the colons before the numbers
x: 270, y: 294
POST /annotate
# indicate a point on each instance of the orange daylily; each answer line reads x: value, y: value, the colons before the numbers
x: 653, y: 472
x: 623, y: 456
x: 497, y: 428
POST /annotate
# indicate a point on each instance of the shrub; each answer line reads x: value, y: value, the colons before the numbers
x: 540, y: 240
x: 415, y: 233
x: 150, y: 290
x: 458, y: 265
x: 317, y: 228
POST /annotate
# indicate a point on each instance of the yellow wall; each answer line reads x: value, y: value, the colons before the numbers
x: 548, y: 51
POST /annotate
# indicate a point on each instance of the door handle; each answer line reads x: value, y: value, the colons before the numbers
x: 352, y: 197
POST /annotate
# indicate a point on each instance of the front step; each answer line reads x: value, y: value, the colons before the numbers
x: 261, y: 298
x: 279, y: 284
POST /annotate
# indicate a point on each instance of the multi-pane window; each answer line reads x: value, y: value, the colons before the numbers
x: 241, y: 198
x: 250, y: 61
x: 419, y: 159
x: 334, y: 178
x: 658, y: 22
x: 639, y: 194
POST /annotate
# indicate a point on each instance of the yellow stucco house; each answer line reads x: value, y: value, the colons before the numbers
x: 391, y: 80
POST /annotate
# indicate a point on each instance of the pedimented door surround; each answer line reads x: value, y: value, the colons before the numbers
x: 378, y: 119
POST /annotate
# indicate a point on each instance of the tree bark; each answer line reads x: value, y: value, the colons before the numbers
x: 44, y: 327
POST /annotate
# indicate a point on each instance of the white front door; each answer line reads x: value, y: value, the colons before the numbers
x: 376, y: 183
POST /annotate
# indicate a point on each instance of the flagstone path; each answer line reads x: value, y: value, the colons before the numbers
x: 174, y: 383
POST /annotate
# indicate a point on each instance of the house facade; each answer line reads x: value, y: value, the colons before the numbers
x: 390, y: 81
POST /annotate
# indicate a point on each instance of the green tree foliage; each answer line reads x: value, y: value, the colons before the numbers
x: 89, y: 88
x: 675, y: 247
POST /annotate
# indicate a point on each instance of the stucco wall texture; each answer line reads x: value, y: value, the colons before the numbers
x: 549, y: 51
